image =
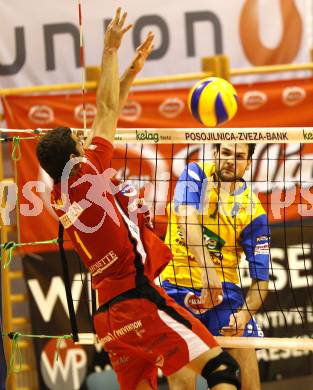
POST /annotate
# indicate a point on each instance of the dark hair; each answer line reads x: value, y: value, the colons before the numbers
x: 250, y: 150
x: 54, y: 150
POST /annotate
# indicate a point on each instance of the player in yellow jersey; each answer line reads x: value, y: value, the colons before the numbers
x: 216, y: 215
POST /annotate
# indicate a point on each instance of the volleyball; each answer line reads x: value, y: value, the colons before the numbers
x: 213, y: 101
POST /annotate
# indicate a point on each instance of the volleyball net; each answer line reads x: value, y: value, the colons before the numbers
x: 152, y: 160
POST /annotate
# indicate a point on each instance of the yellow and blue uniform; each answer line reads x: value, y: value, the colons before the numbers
x: 233, y: 225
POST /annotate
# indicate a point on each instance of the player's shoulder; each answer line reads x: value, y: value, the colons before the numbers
x: 99, y: 142
x: 199, y: 170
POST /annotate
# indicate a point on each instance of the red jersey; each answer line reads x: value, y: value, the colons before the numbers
x: 100, y: 218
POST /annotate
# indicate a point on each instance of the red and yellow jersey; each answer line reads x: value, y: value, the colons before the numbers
x: 103, y: 220
x: 232, y: 225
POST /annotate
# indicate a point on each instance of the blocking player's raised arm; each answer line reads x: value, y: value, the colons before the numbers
x: 108, y: 91
x: 142, y: 53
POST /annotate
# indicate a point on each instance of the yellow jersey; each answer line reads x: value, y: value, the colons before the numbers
x: 232, y: 225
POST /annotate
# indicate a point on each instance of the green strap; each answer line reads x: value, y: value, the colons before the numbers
x: 16, y: 354
x: 11, y: 245
x: 16, y: 149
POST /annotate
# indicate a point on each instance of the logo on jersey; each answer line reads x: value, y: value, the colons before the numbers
x: 193, y: 303
x: 103, y: 264
x: 69, y: 218
x: 261, y: 238
x: 120, y: 361
x: 214, y: 243
x: 262, y: 249
x: 262, y: 246
x: 180, y: 238
x: 116, y: 334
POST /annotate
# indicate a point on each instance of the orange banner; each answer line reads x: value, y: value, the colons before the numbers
x: 283, y: 103
x: 156, y: 167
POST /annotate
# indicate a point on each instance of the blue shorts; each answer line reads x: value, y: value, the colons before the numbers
x: 218, y: 317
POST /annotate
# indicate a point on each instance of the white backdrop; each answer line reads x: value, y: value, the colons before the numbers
x: 34, y: 17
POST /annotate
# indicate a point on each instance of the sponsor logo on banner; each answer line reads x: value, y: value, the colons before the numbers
x: 292, y: 96
x: 147, y: 136
x: 131, y: 111
x: 254, y: 100
x: 290, y: 42
x: 284, y: 25
x: 171, y: 107
x: 193, y: 303
x: 41, y: 114
x: 91, y: 111
x: 69, y: 370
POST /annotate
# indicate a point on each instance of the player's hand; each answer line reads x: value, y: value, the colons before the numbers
x: 142, y: 53
x: 237, y: 324
x: 116, y: 30
x: 212, y: 291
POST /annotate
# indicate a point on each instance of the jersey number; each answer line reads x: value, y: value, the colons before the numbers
x: 79, y: 241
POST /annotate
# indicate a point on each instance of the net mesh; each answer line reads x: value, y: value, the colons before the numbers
x: 281, y: 176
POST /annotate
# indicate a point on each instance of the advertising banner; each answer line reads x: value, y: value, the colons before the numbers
x: 281, y: 173
x: 40, y: 45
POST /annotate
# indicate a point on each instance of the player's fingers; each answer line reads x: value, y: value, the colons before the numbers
x: 150, y: 50
x: 226, y: 331
x: 147, y: 42
x: 127, y: 28
x: 117, y: 15
x: 205, y: 299
x: 122, y: 20
x: 209, y: 298
x: 110, y: 24
x: 232, y: 320
x: 137, y: 57
x: 217, y: 296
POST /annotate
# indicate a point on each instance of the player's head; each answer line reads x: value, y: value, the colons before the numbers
x: 56, y: 148
x: 232, y: 160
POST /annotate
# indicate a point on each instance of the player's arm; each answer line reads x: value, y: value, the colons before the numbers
x: 188, y: 219
x: 255, y: 297
x: 255, y: 242
x: 254, y: 300
x: 108, y: 92
x: 187, y: 201
x: 142, y: 53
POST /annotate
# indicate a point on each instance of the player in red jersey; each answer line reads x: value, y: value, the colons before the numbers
x: 138, y: 324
